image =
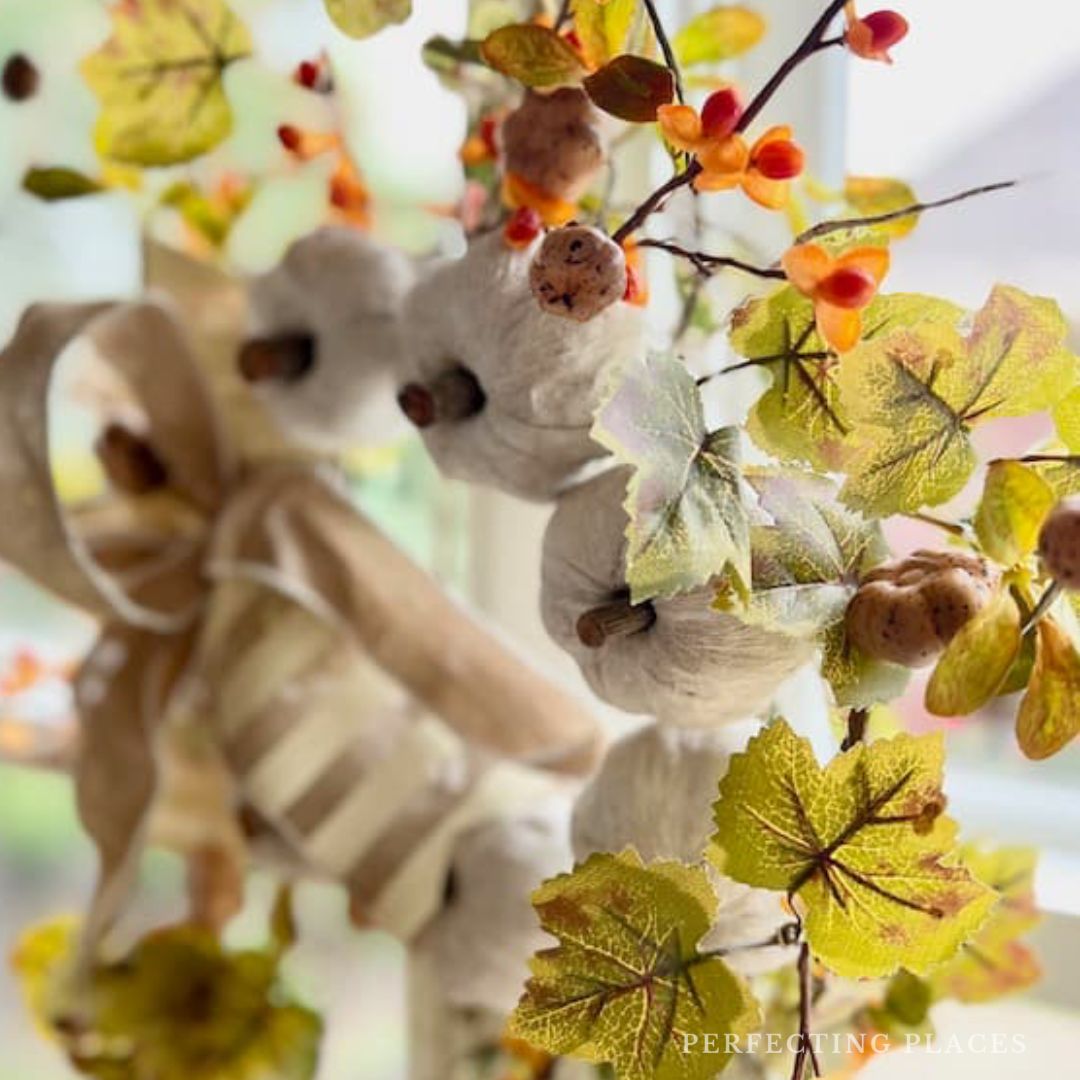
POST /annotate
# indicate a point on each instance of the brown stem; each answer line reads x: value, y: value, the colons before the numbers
x: 1045, y: 603
x: 286, y: 358
x: 949, y: 527
x: 130, y: 462
x: 1048, y: 459
x: 857, y: 719
x: 620, y: 618
x: 707, y: 264
x: 455, y: 394
x: 806, y: 994
x: 665, y: 47
x: 824, y: 228
x: 656, y: 201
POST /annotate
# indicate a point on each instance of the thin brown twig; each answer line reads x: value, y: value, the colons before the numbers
x: 665, y: 47
x: 806, y: 991
x: 950, y: 527
x: 857, y: 719
x: 707, y: 264
x: 824, y: 228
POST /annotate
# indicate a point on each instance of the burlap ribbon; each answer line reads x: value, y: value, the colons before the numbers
x: 185, y: 581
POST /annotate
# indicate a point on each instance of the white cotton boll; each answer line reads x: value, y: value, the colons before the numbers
x: 694, y: 666
x: 540, y: 377
x: 480, y: 943
x: 654, y: 793
x: 345, y: 290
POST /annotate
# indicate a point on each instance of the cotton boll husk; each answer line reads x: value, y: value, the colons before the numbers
x: 695, y: 666
x: 655, y: 793
x: 480, y: 943
x: 542, y: 376
x: 346, y: 290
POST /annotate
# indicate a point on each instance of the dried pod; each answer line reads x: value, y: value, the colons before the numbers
x: 1059, y: 543
x: 504, y: 393
x: 554, y: 142
x: 907, y: 611
x: 654, y: 792
x: 325, y: 339
x: 578, y: 272
x: 678, y: 659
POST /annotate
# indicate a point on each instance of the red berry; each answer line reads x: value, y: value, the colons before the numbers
x: 888, y: 28
x: 780, y: 160
x: 848, y: 287
x: 307, y: 74
x: 290, y: 137
x: 721, y: 113
x: 523, y: 227
x: 488, y: 128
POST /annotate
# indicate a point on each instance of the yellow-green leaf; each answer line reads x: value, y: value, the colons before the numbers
x: 995, y: 962
x: 1067, y: 418
x: 57, y: 183
x: 868, y: 196
x: 362, y: 18
x: 1049, y: 716
x: 976, y: 663
x: 721, y: 33
x: 626, y: 983
x: 608, y: 28
x: 534, y: 55
x: 1014, y: 504
x: 159, y: 80
x: 179, y: 1005
x: 687, y: 515
x: 862, y: 846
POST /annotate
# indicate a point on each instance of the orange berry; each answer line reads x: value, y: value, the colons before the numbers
x: 847, y: 287
x: 523, y: 227
x: 721, y: 112
x: 780, y: 160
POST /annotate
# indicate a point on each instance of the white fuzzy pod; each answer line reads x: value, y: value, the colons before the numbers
x: 654, y: 793
x: 695, y: 666
x: 346, y: 290
x: 542, y: 376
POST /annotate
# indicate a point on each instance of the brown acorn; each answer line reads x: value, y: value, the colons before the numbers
x: 578, y: 272
x: 1059, y: 543
x: 553, y: 142
x: 907, y: 611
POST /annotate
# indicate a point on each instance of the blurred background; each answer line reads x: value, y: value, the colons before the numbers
x: 982, y: 90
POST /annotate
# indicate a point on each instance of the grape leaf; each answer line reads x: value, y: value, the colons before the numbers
x: 626, y: 983
x: 1049, y: 716
x: 608, y: 28
x: 721, y: 33
x: 534, y: 55
x: 976, y: 663
x: 995, y: 962
x: 914, y: 395
x: 801, y: 417
x: 631, y: 88
x: 687, y: 516
x: 863, y: 846
x: 179, y: 1005
x: 159, y: 80
x: 1014, y: 504
x: 362, y: 18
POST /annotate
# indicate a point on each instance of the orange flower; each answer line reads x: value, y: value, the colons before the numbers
x: 763, y: 171
x: 873, y: 36
x: 839, y: 286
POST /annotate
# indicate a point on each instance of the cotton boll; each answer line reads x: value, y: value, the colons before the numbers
x: 654, y: 793
x: 328, y: 319
x: 503, y: 392
x: 692, y: 666
x: 480, y: 943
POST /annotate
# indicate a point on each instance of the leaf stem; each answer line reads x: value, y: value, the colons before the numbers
x: 1046, y: 602
x: 665, y: 47
x: 806, y: 993
x: 824, y: 228
x: 707, y: 264
x: 950, y: 527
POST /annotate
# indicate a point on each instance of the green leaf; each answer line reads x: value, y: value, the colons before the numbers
x: 995, y: 963
x: 58, y: 183
x: 869, y: 196
x: 913, y: 397
x: 534, y: 55
x: 1067, y: 418
x: 159, y: 80
x: 688, y: 520
x: 801, y: 417
x: 976, y: 663
x: 631, y: 88
x: 1014, y: 504
x: 444, y: 56
x: 1049, y: 716
x: 626, y: 983
x: 862, y: 846
x: 362, y: 18
x: 608, y: 28
x: 721, y: 33
x: 178, y: 1005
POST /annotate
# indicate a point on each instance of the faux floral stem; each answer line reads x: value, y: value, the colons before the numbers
x: 665, y: 47
x: 707, y: 264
